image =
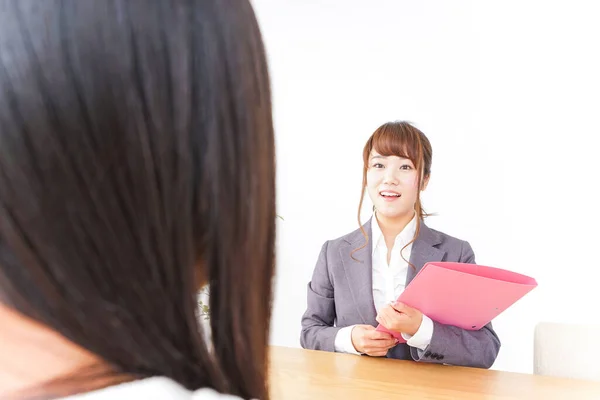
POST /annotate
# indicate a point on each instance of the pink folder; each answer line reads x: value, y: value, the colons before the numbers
x: 464, y: 295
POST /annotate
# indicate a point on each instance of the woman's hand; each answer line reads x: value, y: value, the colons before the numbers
x: 367, y: 340
x: 399, y: 317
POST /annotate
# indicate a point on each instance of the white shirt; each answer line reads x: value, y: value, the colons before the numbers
x: 388, y: 283
x: 158, y: 388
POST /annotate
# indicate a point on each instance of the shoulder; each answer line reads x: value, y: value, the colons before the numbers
x: 355, y: 238
x: 454, y: 247
x: 446, y: 240
x: 209, y: 394
x: 157, y: 388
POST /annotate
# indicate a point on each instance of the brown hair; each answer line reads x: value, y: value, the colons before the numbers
x: 136, y: 161
x: 400, y: 139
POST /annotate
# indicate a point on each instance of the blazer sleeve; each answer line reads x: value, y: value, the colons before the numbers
x: 318, y: 331
x: 457, y: 346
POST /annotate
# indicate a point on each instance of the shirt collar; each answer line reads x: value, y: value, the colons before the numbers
x: 402, y: 239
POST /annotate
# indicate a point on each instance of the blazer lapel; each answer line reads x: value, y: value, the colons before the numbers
x: 424, y: 251
x: 358, y: 270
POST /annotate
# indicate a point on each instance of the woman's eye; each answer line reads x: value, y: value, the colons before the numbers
x: 406, y: 167
x: 377, y: 165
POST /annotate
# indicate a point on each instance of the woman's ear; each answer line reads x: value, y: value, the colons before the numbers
x: 425, y: 182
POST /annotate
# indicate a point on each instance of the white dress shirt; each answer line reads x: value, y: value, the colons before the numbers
x: 388, y: 283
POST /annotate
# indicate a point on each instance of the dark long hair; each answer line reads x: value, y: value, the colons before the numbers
x: 136, y: 163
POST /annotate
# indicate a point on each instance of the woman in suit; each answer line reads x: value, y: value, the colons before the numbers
x: 359, y: 276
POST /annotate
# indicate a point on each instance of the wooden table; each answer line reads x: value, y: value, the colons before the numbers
x: 298, y: 374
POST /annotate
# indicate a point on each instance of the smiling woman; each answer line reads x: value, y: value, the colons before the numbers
x: 397, y: 165
x: 359, y: 276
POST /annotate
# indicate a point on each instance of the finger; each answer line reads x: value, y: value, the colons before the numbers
x: 368, y: 327
x: 386, y: 313
x: 384, y: 310
x: 380, y: 350
x: 379, y: 353
x: 400, y: 307
x: 387, y: 307
x: 402, y: 318
x: 392, y: 318
x: 380, y: 343
x: 406, y: 310
x: 380, y: 318
x: 385, y: 322
x: 377, y: 335
x: 386, y: 343
x: 381, y: 347
x: 383, y: 341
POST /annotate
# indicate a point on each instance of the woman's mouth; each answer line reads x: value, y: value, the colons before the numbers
x: 389, y: 195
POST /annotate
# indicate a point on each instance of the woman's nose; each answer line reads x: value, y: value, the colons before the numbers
x: 390, y: 177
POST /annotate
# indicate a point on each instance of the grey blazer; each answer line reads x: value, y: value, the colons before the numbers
x: 341, y: 294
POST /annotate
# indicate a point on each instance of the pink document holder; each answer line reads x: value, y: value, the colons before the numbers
x: 464, y: 295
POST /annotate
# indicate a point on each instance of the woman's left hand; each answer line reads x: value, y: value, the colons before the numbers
x: 401, y: 318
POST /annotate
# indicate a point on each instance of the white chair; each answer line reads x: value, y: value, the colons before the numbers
x: 567, y: 350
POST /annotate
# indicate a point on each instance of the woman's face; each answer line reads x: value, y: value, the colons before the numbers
x: 392, y: 184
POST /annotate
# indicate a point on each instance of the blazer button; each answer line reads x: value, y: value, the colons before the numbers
x: 440, y: 357
x: 427, y: 353
x: 434, y: 355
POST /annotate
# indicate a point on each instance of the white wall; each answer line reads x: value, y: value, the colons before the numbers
x: 508, y: 93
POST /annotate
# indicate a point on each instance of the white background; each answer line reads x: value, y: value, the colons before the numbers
x: 509, y: 95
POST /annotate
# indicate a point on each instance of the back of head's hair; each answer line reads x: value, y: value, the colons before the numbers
x: 137, y: 162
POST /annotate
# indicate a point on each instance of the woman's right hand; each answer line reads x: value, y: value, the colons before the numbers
x: 367, y: 340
